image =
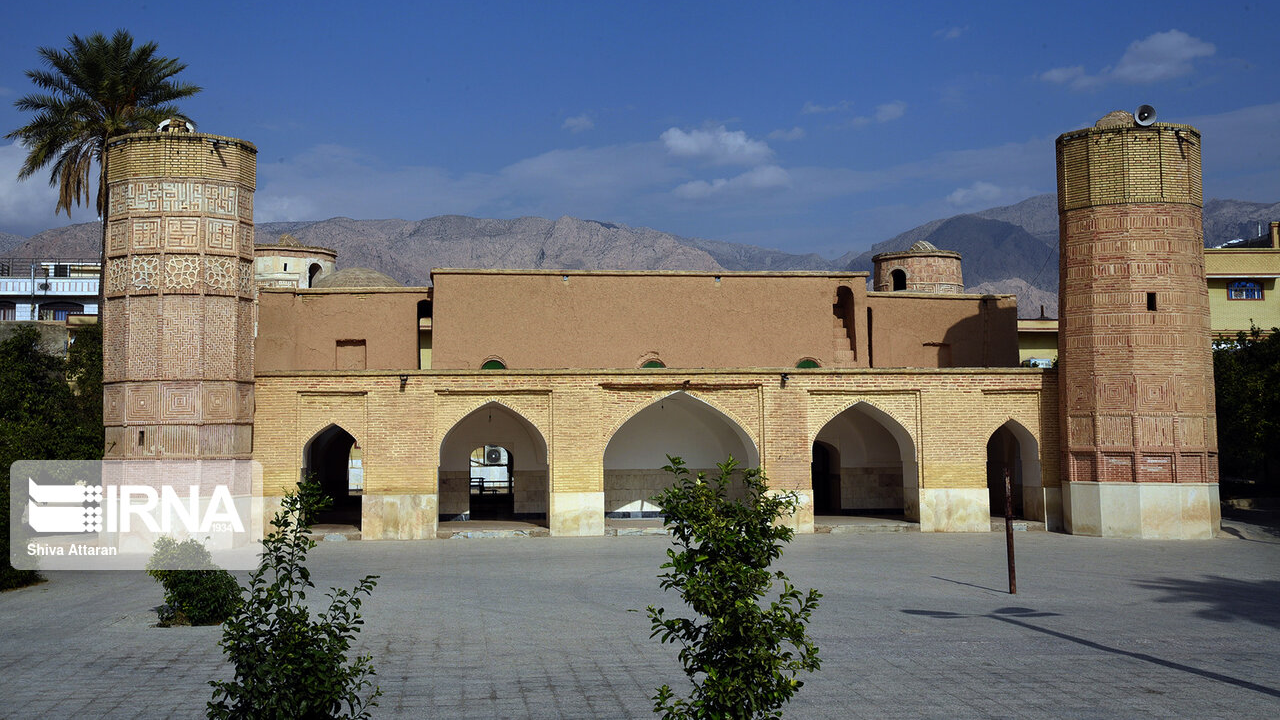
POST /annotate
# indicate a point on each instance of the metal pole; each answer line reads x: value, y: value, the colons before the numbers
x: 1008, y: 532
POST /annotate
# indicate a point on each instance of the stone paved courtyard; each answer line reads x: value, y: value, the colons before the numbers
x: 911, y: 626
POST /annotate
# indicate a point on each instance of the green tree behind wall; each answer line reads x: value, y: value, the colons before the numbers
x: 1247, y: 388
x: 42, y: 416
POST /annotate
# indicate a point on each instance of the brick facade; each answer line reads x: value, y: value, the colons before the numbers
x: 179, y: 314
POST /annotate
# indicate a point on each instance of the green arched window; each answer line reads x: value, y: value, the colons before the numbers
x: 493, y: 365
x: 808, y: 363
x: 653, y: 364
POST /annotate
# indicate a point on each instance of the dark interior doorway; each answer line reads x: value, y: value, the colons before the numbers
x: 826, y: 480
x: 492, y: 483
x: 334, y: 459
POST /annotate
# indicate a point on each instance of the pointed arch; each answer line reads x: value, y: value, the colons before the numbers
x: 746, y: 429
x: 678, y: 424
x: 878, y: 469
x: 333, y: 457
x: 464, y: 493
x: 1011, y: 445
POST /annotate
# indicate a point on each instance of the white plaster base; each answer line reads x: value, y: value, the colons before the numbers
x: 577, y: 513
x: 399, y: 517
x: 1044, y: 505
x: 955, y: 510
x: 1161, y: 511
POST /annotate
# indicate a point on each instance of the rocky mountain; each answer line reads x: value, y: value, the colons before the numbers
x: 1010, y: 249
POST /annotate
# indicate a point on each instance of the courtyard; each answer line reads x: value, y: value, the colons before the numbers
x: 911, y: 625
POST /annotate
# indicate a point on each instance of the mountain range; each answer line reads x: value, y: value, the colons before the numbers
x: 1010, y: 249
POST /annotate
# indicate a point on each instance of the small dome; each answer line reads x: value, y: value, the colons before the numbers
x: 923, y: 246
x: 1115, y: 119
x: 356, y: 277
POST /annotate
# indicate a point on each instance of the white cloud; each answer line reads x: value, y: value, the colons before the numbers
x: 759, y: 178
x: 1162, y: 56
x: 890, y: 111
x: 578, y: 123
x: 1158, y: 57
x: 950, y: 33
x: 1062, y: 75
x: 26, y: 206
x: 717, y: 146
x: 795, y: 133
x: 885, y: 112
x: 812, y: 108
x: 979, y: 193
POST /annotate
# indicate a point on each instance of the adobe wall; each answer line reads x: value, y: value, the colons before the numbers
x: 548, y: 320
x: 324, y: 329
x: 929, y: 330
x: 620, y: 320
x: 940, y: 421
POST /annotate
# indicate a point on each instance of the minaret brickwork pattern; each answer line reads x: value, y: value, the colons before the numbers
x: 178, y: 321
x: 1134, y: 335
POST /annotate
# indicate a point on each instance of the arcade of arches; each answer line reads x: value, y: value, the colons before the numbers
x: 570, y: 449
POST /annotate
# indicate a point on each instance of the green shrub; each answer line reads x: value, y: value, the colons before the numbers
x: 202, y: 595
x: 288, y: 665
x: 741, y: 658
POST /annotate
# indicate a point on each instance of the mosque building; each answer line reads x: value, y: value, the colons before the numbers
x: 555, y: 397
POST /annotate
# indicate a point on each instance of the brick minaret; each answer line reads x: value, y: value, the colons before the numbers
x: 1140, y: 452
x: 178, y: 326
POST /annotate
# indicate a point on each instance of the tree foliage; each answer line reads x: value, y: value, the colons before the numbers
x: 288, y: 665
x: 741, y: 657
x: 1247, y: 386
x: 95, y: 89
x: 200, y: 593
x: 42, y: 417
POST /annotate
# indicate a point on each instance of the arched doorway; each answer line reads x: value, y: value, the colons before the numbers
x: 870, y: 465
x: 493, y: 466
x: 334, y: 459
x: 826, y: 479
x: 1012, y: 447
x: 312, y: 272
x: 679, y: 425
x: 899, y: 279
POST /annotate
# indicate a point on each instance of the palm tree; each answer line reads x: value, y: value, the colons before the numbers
x: 94, y: 90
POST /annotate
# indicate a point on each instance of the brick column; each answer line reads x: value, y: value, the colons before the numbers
x: 1140, y: 452
x: 178, y: 330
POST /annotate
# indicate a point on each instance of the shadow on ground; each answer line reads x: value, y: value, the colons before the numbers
x: 1225, y: 599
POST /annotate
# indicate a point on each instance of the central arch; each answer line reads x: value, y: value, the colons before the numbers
x: 678, y: 425
x: 864, y: 463
x: 493, y: 465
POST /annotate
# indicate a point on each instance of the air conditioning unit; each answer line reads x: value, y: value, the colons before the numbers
x: 493, y: 456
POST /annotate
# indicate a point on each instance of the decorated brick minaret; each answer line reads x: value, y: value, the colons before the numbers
x: 1136, y: 372
x: 178, y: 321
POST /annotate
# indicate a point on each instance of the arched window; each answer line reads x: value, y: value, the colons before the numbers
x: 1244, y: 290
x: 899, y: 279
x: 655, y: 363
x: 808, y: 363
x: 493, y: 364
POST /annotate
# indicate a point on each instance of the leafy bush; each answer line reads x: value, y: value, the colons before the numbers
x: 741, y: 658
x: 42, y: 417
x: 288, y: 665
x: 204, y: 594
x: 1247, y: 383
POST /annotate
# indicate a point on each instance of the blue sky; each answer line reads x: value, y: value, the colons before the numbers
x: 808, y: 127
